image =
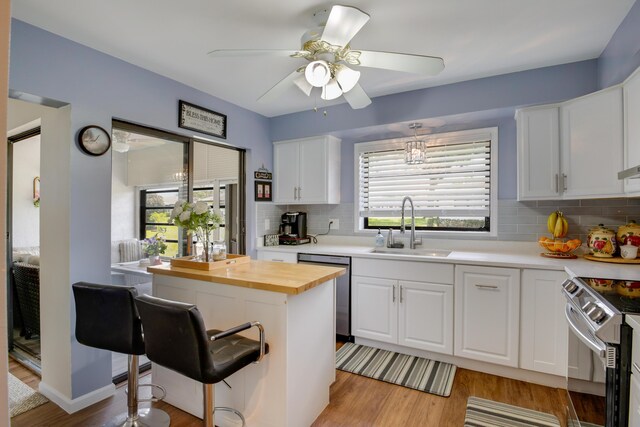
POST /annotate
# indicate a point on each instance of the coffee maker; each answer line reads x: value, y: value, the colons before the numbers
x: 293, y: 228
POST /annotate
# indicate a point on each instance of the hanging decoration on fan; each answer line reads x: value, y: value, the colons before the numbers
x: 331, y: 58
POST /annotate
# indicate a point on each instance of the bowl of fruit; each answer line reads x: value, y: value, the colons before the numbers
x: 557, y: 246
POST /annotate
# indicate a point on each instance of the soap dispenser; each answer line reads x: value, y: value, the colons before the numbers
x: 379, y: 240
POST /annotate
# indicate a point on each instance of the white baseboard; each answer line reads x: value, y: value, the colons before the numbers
x: 73, y: 405
x: 474, y: 365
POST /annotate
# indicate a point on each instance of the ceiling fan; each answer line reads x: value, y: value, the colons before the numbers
x: 328, y: 51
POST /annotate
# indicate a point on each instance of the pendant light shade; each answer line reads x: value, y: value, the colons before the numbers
x: 415, y: 151
x: 347, y: 78
x: 317, y: 73
x: 331, y: 90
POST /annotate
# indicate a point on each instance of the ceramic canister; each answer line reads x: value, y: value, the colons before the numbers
x: 626, y: 231
x: 602, y: 242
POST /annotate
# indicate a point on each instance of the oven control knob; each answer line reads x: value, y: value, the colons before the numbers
x: 570, y: 287
x: 590, y: 305
x: 597, y: 314
x: 579, y: 293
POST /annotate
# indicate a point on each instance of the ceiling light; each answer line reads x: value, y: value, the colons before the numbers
x: 331, y: 90
x: 318, y: 73
x: 347, y: 78
x: 415, y: 152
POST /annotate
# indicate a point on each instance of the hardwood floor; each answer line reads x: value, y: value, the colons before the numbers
x: 355, y: 401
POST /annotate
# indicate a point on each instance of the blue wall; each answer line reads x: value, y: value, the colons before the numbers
x: 622, y: 55
x: 100, y: 87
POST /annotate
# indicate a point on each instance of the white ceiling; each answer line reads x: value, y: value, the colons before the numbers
x: 476, y: 38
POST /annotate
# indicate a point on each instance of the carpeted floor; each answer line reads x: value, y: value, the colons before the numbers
x: 488, y: 413
x: 407, y: 371
x: 22, y: 397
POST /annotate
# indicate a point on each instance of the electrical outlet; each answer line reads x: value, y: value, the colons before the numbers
x: 336, y: 224
x: 267, y: 224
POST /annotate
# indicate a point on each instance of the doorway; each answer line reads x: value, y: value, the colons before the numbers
x: 23, y: 256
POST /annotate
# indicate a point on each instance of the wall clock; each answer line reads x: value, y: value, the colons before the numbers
x: 94, y: 140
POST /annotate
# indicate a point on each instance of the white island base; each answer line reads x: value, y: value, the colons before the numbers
x: 290, y: 386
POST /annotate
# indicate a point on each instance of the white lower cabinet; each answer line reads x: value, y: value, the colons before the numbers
x: 291, y: 257
x: 543, y: 325
x: 487, y: 303
x: 410, y: 313
x: 634, y: 400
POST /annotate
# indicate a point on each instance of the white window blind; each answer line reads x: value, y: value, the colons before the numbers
x: 455, y: 180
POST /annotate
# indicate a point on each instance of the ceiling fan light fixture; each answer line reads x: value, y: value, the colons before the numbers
x: 303, y: 85
x: 317, y: 73
x: 415, y: 151
x: 331, y: 90
x: 347, y: 78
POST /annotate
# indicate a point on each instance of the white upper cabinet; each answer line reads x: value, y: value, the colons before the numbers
x: 538, y: 153
x: 591, y: 145
x: 571, y: 150
x: 631, y: 95
x: 307, y: 171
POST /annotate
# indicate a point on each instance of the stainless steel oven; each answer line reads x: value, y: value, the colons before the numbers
x: 599, y: 355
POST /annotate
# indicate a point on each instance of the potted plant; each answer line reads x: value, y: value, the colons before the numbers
x: 154, y: 247
x: 198, y: 219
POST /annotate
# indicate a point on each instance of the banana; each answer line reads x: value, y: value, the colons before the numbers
x: 561, y: 227
x: 551, y: 221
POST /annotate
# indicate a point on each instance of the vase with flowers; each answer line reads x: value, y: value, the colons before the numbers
x: 198, y: 219
x: 154, y: 247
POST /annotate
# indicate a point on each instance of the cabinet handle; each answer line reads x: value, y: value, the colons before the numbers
x: 557, y: 183
x: 400, y: 294
x: 295, y: 193
x: 277, y: 260
x: 394, y: 293
x: 487, y: 286
x: 299, y: 193
x: 564, y: 182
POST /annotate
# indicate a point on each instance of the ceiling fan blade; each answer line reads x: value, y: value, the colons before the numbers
x: 417, y: 64
x: 279, y: 88
x: 344, y: 22
x: 357, y: 98
x: 231, y: 53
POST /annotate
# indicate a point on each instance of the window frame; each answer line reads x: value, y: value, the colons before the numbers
x: 489, y: 133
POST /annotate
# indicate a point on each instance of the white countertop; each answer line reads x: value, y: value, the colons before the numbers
x: 633, y: 321
x: 497, y: 254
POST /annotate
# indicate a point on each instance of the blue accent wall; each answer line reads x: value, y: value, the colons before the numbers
x: 622, y: 55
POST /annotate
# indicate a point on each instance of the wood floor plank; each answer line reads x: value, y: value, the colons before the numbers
x: 356, y: 401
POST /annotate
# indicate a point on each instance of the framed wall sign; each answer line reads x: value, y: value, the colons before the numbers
x: 202, y: 120
x: 263, y: 191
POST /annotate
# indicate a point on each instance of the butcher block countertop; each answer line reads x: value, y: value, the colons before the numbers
x: 264, y: 275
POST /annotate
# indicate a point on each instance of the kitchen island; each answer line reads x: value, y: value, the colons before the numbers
x: 295, y: 303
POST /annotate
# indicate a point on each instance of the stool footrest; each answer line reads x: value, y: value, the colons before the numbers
x: 235, y: 411
x: 153, y: 399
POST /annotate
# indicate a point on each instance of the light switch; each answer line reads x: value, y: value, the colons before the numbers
x: 336, y: 224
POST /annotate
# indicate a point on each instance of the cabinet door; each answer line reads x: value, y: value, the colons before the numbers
x: 312, y: 186
x: 591, y: 145
x: 290, y: 257
x: 538, y: 153
x: 374, y: 312
x: 426, y: 316
x: 487, y: 301
x: 634, y: 399
x: 631, y: 90
x: 543, y: 329
x: 286, y: 162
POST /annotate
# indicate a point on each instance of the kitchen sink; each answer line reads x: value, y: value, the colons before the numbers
x: 416, y: 252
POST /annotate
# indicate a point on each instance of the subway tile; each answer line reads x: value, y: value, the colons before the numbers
x: 507, y: 228
x: 507, y: 210
x: 582, y: 210
x: 633, y: 201
x: 517, y: 237
x: 532, y: 228
x: 558, y: 203
x: 604, y: 202
x: 517, y: 219
x: 621, y: 210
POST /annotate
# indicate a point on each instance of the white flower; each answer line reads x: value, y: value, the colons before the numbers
x: 184, y: 216
x: 200, y: 208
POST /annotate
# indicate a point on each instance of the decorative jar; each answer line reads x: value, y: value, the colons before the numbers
x: 218, y: 250
x: 602, y: 242
x: 629, y: 234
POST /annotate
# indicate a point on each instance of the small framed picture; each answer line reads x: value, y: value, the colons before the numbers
x: 263, y: 191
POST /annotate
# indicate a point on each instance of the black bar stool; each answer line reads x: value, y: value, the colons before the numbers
x: 107, y: 318
x: 207, y: 356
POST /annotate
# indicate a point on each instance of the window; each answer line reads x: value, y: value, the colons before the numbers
x: 453, y: 191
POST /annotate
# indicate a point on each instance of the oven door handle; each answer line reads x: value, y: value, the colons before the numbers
x: 594, y: 344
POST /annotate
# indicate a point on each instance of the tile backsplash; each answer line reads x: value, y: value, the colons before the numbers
x: 517, y: 221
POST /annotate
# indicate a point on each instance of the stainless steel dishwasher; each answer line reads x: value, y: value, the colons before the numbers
x: 343, y: 290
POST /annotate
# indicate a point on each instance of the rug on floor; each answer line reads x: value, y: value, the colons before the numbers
x: 401, y: 369
x: 22, y: 397
x: 488, y: 413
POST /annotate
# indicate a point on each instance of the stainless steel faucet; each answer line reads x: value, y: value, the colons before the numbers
x: 412, y: 240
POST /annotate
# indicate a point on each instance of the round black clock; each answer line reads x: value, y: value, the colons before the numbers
x: 94, y: 140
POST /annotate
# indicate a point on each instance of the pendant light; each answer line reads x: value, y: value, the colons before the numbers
x: 415, y: 152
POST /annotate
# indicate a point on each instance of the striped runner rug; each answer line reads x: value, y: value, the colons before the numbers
x: 407, y: 371
x: 488, y: 413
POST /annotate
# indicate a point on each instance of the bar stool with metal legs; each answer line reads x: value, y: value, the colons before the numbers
x: 207, y: 356
x: 107, y: 318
